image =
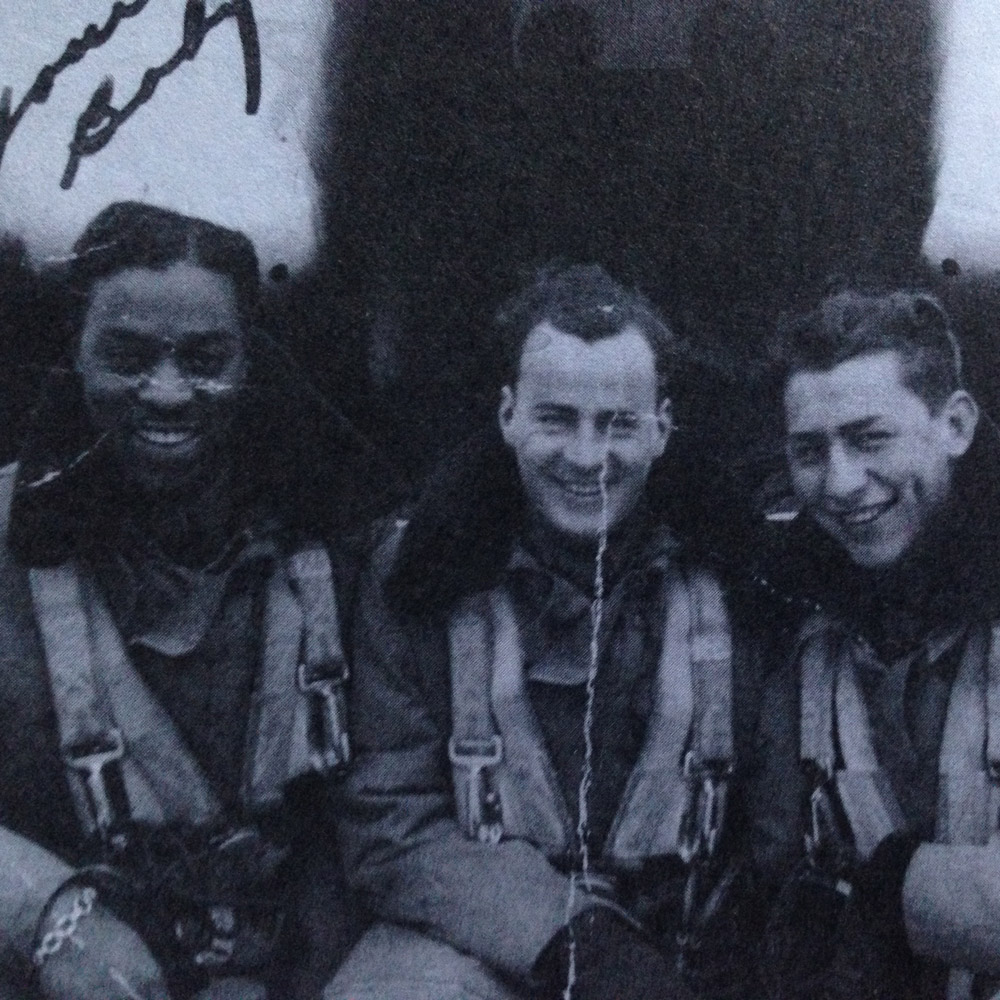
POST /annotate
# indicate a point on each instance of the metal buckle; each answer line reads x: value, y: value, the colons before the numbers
x: 91, y: 759
x: 334, y: 751
x: 484, y: 820
x: 705, y: 815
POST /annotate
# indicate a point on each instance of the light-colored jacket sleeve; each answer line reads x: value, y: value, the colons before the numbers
x: 951, y: 905
x: 29, y: 875
x: 403, y: 847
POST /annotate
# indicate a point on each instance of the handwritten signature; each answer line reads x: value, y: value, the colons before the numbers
x: 101, y: 119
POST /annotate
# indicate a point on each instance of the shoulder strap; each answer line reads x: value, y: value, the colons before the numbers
x: 711, y: 672
x: 674, y: 801
x: 475, y: 746
x: 834, y: 717
x: 117, y: 741
x: 817, y: 659
x: 503, y: 778
x: 964, y: 783
x: 299, y: 713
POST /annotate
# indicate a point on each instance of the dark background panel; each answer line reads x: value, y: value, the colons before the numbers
x: 792, y: 145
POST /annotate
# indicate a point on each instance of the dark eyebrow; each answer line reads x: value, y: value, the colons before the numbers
x: 555, y: 408
x: 853, y: 427
x: 858, y: 426
x: 128, y: 333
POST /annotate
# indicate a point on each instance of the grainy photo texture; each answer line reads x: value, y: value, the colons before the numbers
x: 499, y: 500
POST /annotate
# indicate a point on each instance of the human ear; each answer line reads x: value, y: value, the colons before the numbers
x: 959, y: 415
x: 664, y: 424
x: 505, y: 412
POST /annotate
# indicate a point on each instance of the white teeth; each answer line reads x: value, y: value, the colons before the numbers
x: 865, y: 515
x: 165, y: 438
x: 581, y: 491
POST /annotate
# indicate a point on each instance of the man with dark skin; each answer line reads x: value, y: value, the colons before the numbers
x: 544, y: 689
x: 167, y: 612
x: 881, y: 737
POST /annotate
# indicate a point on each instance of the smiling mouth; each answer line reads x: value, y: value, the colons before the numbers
x: 862, y: 517
x: 166, y: 437
x: 580, y: 491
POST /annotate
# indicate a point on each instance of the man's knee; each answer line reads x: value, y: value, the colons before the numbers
x: 396, y: 963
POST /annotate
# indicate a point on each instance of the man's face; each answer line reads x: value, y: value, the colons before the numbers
x: 162, y: 359
x: 869, y: 461
x: 584, y: 423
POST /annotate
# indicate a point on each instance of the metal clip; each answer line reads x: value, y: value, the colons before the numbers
x: 332, y: 752
x: 484, y: 817
x: 708, y: 784
x: 91, y: 759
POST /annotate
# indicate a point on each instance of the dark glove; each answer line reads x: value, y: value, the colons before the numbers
x: 613, y: 961
x: 878, y: 889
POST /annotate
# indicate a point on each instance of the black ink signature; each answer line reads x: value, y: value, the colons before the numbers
x: 100, y: 120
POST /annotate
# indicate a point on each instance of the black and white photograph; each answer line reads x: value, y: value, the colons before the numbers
x: 499, y: 500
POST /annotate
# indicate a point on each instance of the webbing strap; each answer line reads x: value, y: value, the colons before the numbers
x: 865, y: 791
x: 527, y: 786
x: 475, y: 744
x: 817, y: 659
x: 993, y: 703
x: 323, y: 672
x: 278, y: 730
x: 99, y: 696
x: 95, y: 691
x: 498, y: 752
x: 83, y: 718
x: 711, y: 671
x: 657, y: 798
x: 963, y: 784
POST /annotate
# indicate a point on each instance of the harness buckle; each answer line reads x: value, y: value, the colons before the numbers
x: 484, y: 814
x: 330, y: 742
x: 708, y: 783
x: 91, y: 759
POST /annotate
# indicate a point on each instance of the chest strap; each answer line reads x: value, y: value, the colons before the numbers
x: 837, y: 747
x: 504, y: 780
x: 125, y: 759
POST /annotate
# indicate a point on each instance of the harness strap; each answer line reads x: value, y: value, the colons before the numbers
x: 993, y: 706
x: 657, y: 802
x: 863, y: 787
x: 323, y: 671
x: 712, y: 672
x: 503, y: 777
x: 90, y: 741
x: 526, y: 789
x: 816, y: 660
x: 474, y: 746
x: 160, y: 780
x: 967, y: 796
x: 108, y: 716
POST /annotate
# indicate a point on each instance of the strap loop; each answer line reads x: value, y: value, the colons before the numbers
x: 92, y: 759
x: 483, y: 820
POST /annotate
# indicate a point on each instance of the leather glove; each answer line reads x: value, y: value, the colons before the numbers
x: 878, y: 889
x: 613, y: 961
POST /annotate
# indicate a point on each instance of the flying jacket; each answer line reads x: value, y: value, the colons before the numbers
x: 52, y: 619
x: 404, y: 844
x: 941, y: 600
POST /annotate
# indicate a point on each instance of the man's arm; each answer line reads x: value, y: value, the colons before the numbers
x: 30, y: 875
x: 951, y: 905
x: 403, y: 848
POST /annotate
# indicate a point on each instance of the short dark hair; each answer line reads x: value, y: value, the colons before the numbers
x: 133, y: 234
x: 585, y: 301
x: 848, y: 324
